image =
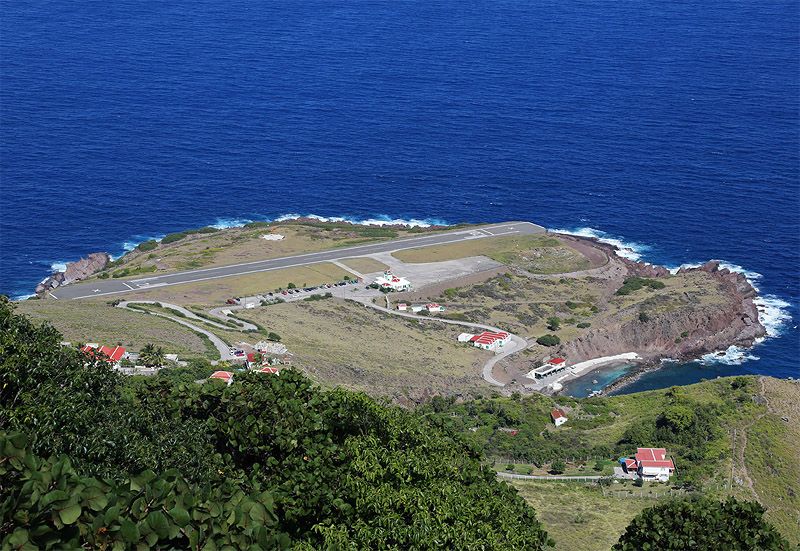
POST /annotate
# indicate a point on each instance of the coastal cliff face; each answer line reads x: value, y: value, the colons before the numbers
x: 688, y: 331
x: 75, y: 271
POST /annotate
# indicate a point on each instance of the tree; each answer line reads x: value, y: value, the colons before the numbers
x: 599, y: 465
x: 702, y: 524
x: 291, y: 286
x: 644, y: 317
x: 273, y: 337
x: 151, y: 355
x: 553, y: 323
x: 548, y: 340
x: 558, y: 466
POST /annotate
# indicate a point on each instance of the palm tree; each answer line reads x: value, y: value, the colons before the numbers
x: 152, y: 356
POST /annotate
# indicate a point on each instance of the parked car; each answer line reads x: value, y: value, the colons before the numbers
x: 284, y: 292
x: 230, y: 301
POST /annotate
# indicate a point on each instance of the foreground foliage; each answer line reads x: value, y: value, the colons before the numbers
x: 91, y: 458
x: 701, y: 524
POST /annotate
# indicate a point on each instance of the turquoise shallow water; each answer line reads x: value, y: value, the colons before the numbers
x: 584, y: 385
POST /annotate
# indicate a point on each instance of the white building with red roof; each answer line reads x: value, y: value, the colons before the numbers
x: 550, y: 367
x: 269, y: 369
x: 106, y: 353
x: 226, y: 376
x: 558, y: 417
x: 652, y: 464
x: 491, y: 340
x: 434, y: 307
x: 387, y: 280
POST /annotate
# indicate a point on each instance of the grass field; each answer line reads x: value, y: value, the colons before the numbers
x: 579, y: 517
x: 82, y: 321
x: 343, y: 343
x: 365, y: 265
x: 539, y: 254
x: 237, y: 245
x: 216, y: 291
x: 772, y: 457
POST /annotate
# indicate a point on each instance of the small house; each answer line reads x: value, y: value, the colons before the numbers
x: 270, y: 370
x: 465, y: 337
x: 652, y: 464
x: 226, y: 376
x: 434, y: 307
x: 416, y: 308
x: 558, y: 417
x: 491, y: 340
x: 402, y: 306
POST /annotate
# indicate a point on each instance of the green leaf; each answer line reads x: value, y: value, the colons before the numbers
x: 129, y: 531
x: 180, y: 515
x: 70, y: 514
x: 159, y: 523
x: 52, y: 497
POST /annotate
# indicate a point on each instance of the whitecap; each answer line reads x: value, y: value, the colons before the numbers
x: 625, y: 249
x: 59, y: 266
x: 378, y: 220
x: 23, y: 297
x: 225, y: 223
x: 773, y: 313
x: 733, y: 355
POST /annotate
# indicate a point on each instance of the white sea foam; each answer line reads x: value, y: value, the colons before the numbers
x: 225, y: 223
x: 59, y: 266
x: 23, y: 297
x: 625, y: 249
x: 379, y: 220
x: 773, y: 313
x: 733, y: 355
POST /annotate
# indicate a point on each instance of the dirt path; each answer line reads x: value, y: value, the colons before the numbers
x: 739, y: 464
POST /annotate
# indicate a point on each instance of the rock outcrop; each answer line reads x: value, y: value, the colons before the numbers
x: 75, y: 271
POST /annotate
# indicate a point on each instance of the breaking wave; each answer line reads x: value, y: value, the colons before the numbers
x: 625, y: 249
x: 733, y: 355
x: 379, y: 220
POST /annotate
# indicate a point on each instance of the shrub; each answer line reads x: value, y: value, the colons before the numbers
x: 548, y: 340
x: 291, y: 286
x: 147, y: 245
x: 583, y: 325
x: 635, y: 283
x: 558, y: 466
x: 644, y: 317
x: 273, y: 336
x: 553, y: 323
x: 173, y: 237
x: 701, y: 524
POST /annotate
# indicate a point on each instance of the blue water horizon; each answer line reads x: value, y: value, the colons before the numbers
x: 672, y: 127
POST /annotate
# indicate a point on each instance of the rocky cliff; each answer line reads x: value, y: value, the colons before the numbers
x: 75, y: 271
x: 685, y: 332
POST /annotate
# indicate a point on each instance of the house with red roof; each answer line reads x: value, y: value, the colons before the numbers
x: 650, y: 464
x: 491, y: 340
x: 105, y: 353
x: 226, y: 376
x: 558, y: 417
x: 434, y: 307
x: 270, y: 370
x: 550, y: 367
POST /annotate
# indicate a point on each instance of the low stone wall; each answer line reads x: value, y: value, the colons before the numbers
x: 436, y: 289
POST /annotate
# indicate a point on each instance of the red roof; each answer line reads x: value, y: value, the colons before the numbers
x: 630, y: 463
x: 112, y: 354
x: 650, y: 454
x: 224, y: 375
x: 268, y: 369
x: 489, y: 337
x: 251, y: 357
x: 556, y: 361
x: 557, y: 414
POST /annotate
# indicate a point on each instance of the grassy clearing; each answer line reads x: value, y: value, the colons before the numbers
x: 579, y: 517
x: 540, y: 254
x: 772, y: 459
x: 216, y: 291
x: 237, y: 245
x: 83, y: 321
x: 347, y: 344
x: 365, y: 265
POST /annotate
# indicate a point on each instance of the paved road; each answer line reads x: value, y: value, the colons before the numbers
x: 103, y: 287
x: 517, y: 343
x: 219, y: 344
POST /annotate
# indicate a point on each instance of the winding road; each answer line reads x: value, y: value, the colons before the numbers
x: 518, y: 343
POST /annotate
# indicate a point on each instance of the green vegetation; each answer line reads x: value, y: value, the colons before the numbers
x: 548, y: 340
x: 701, y: 524
x: 553, y: 323
x: 644, y: 317
x: 151, y: 355
x: 268, y: 462
x: 583, y: 325
x: 147, y: 245
x: 125, y: 272
x: 635, y: 283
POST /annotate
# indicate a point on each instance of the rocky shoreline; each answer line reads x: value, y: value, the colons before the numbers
x: 75, y: 271
x: 684, y: 334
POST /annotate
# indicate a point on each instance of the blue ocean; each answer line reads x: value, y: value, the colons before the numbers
x: 671, y: 127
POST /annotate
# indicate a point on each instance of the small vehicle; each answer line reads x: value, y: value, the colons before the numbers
x: 230, y: 301
x: 284, y: 292
x: 270, y: 294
